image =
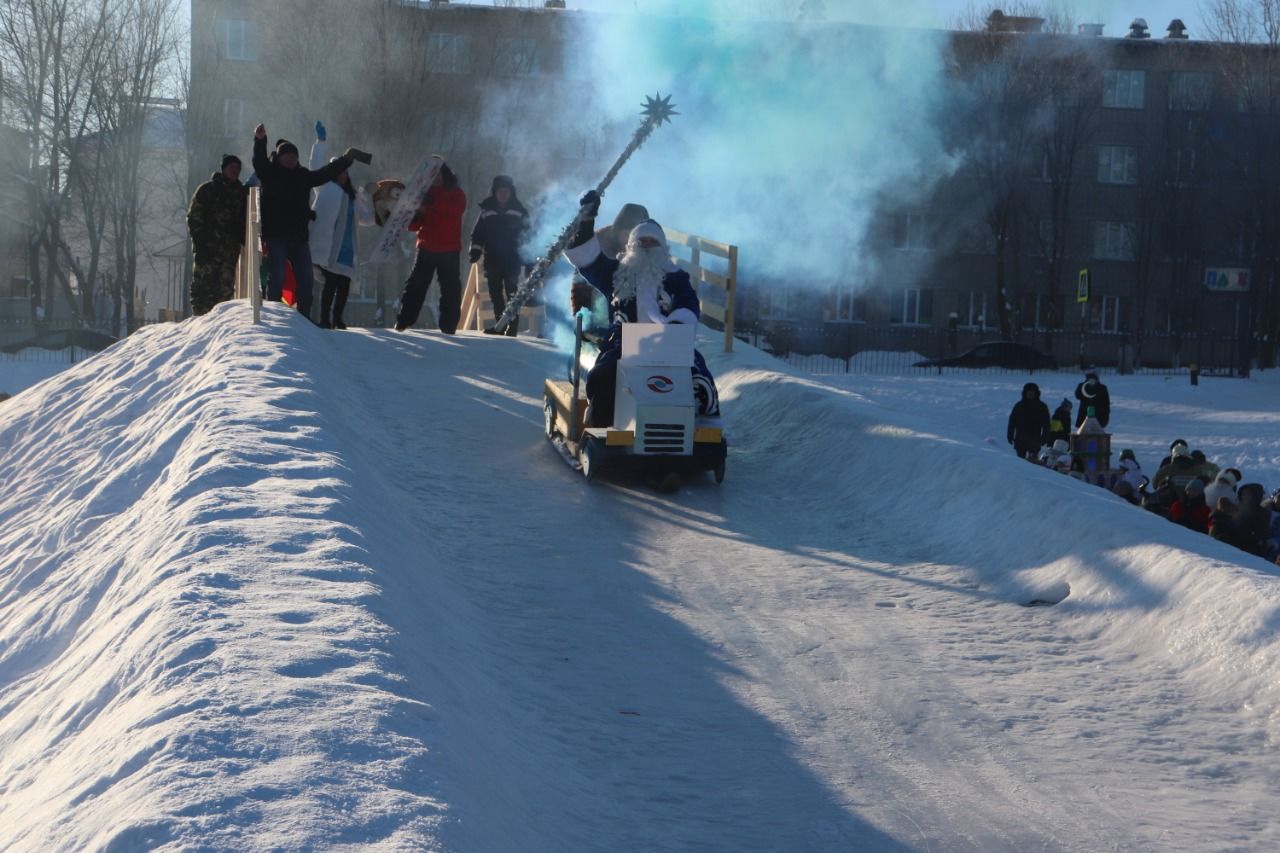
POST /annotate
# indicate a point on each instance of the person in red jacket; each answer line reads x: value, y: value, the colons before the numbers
x: 439, y: 227
x: 1190, y: 510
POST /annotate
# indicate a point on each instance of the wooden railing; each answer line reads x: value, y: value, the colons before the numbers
x: 248, y: 275
x: 721, y: 286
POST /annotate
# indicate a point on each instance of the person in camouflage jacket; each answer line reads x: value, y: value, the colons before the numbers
x: 215, y: 221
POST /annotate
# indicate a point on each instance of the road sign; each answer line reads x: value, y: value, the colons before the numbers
x: 1082, y: 287
x: 1227, y: 280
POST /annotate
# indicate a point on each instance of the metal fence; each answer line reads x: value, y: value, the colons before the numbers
x: 864, y: 348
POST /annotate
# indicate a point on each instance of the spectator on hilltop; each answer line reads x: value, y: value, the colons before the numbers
x: 1059, y: 423
x: 1028, y: 423
x: 1190, y: 510
x: 1093, y: 394
x: 1223, y: 486
x: 1132, y: 470
x: 1172, y: 445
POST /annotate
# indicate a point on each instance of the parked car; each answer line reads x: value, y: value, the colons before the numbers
x: 64, y: 338
x: 1005, y: 354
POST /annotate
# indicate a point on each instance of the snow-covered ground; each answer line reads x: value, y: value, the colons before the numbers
x: 21, y: 370
x: 275, y: 587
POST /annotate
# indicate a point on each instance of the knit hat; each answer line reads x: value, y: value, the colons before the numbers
x: 284, y: 146
x: 1176, y: 442
x: 227, y: 160
x: 1180, y: 450
x: 1065, y: 403
x: 1128, y: 454
x: 1234, y: 474
x: 1195, y: 488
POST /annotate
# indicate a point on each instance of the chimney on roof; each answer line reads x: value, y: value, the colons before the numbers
x: 1138, y: 29
x: 1091, y: 30
x: 999, y: 22
x: 1177, y: 29
x: 553, y: 4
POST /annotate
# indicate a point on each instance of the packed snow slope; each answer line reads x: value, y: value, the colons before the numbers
x: 272, y: 587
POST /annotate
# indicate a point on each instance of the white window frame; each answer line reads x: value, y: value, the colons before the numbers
x: 912, y: 298
x: 1114, y: 241
x: 448, y: 53
x: 914, y: 228
x: 850, y: 304
x: 1124, y: 88
x: 239, y: 40
x: 232, y: 117
x: 1118, y: 164
x: 1109, y: 315
x: 971, y: 310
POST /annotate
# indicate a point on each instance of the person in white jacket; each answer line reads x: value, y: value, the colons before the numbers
x: 337, y: 209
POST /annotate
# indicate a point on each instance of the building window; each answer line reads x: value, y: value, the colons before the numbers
x: 1039, y: 312
x: 1117, y: 164
x: 910, y: 231
x: 239, y: 40
x: 977, y: 240
x: 232, y: 117
x: 1113, y: 241
x: 447, y: 53
x: 850, y: 305
x: 1044, y: 234
x: 446, y: 130
x: 912, y: 307
x: 1190, y: 90
x: 776, y: 303
x: 1106, y: 314
x: 1123, y: 89
x: 971, y: 309
x: 516, y: 57
x: 1184, y: 167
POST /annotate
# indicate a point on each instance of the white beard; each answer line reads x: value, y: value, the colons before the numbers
x: 639, y: 277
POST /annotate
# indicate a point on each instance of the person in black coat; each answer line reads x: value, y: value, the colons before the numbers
x: 1091, y: 392
x: 286, y: 211
x: 1028, y: 422
x: 497, y: 235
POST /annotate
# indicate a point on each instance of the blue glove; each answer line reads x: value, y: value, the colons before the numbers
x: 320, y: 132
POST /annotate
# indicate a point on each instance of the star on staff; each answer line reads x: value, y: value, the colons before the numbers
x: 659, y: 109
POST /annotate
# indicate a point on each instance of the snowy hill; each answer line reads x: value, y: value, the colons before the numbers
x: 276, y: 587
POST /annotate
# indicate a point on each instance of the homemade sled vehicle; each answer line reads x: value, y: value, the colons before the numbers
x: 655, y: 430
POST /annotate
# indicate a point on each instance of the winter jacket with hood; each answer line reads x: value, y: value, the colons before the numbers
x: 499, y: 230
x: 286, y: 193
x: 1029, y: 420
x: 331, y: 206
x: 438, y: 222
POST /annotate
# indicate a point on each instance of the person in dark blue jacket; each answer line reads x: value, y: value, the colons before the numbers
x: 643, y: 286
x: 496, y: 236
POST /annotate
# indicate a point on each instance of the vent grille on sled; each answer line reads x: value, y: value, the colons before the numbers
x: 663, y: 438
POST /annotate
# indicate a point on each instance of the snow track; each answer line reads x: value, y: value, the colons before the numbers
x: 281, y: 587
